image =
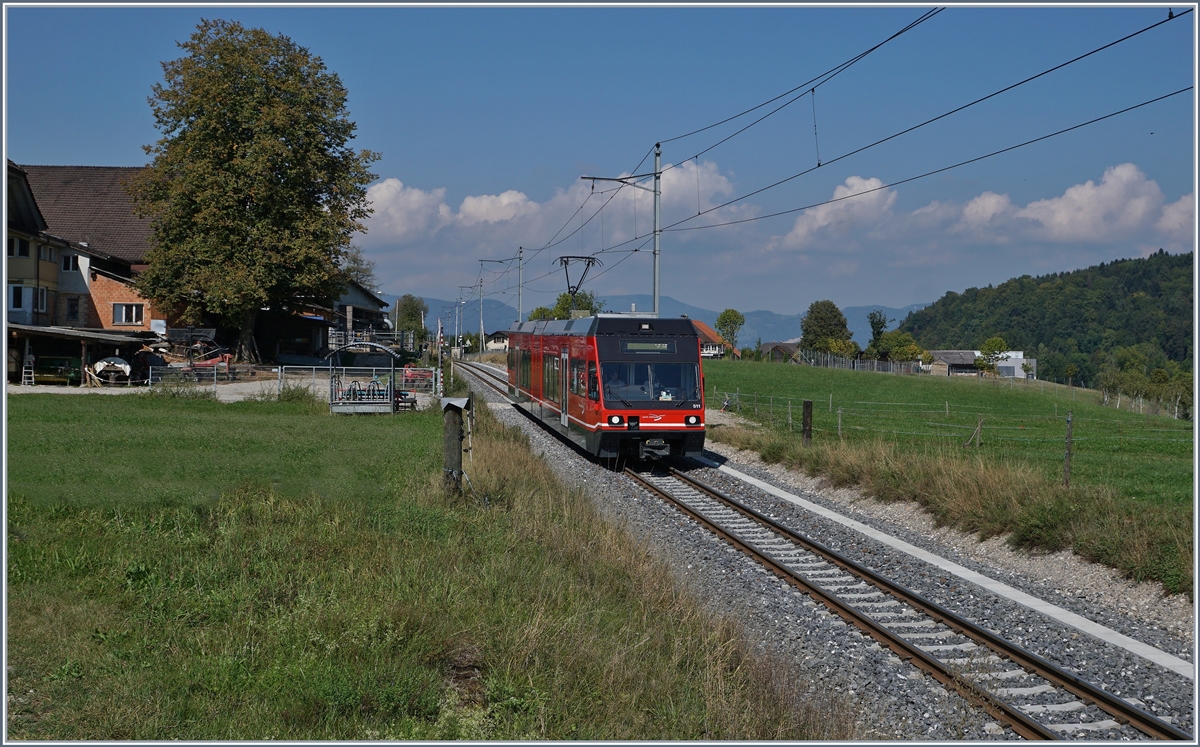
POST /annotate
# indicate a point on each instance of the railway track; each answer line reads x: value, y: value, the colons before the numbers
x: 1022, y: 691
x: 1031, y: 696
x: 487, y: 375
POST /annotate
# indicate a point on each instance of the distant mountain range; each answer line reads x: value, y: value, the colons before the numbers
x: 765, y: 325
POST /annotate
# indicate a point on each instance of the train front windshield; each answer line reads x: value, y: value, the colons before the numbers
x: 634, y: 383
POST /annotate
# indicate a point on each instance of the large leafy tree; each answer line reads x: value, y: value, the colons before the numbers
x: 895, y: 346
x: 408, y: 315
x: 822, y: 325
x: 729, y: 323
x: 253, y: 189
x: 361, y: 270
x: 879, y: 322
x: 991, y: 353
x: 584, y: 301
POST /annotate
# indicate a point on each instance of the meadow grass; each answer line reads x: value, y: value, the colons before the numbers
x: 1130, y: 500
x: 184, y: 569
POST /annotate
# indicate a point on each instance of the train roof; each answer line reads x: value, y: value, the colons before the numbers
x: 609, y: 324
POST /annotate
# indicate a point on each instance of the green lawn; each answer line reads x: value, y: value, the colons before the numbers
x: 92, y: 450
x: 184, y: 569
x: 1142, y: 456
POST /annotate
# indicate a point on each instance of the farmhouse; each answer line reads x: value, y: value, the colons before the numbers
x: 712, y: 345
x: 68, y: 273
x: 497, y: 341
x: 75, y: 245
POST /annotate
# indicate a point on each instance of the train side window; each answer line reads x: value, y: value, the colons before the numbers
x: 593, y: 384
x: 578, y: 381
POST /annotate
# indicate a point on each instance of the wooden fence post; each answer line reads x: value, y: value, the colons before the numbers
x: 806, y: 423
x: 839, y: 424
x: 1067, y: 457
x: 452, y: 438
x: 790, y: 428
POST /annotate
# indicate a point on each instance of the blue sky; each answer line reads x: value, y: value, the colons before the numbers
x: 486, y: 119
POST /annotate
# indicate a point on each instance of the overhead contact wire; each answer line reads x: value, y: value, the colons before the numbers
x: 930, y: 173
x: 935, y: 119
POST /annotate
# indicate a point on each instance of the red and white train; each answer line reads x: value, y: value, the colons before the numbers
x: 617, y: 385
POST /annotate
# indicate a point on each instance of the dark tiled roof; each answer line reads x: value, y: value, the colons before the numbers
x: 88, y: 204
x: 23, y: 213
x: 954, y: 357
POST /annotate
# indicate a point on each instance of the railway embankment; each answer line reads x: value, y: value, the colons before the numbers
x: 891, y: 699
x: 1094, y: 588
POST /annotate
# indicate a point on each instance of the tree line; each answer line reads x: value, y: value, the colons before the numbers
x: 1131, y: 314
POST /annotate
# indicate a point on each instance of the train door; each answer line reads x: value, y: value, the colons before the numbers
x: 564, y: 387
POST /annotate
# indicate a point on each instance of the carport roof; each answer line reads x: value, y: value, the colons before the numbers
x: 76, y: 333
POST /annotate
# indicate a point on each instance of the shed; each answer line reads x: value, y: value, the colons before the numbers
x: 954, y: 362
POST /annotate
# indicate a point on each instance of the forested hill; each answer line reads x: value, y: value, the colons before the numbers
x: 1082, y: 317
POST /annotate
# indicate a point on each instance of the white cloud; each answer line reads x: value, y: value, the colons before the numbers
x: 847, y: 214
x: 985, y: 208
x: 495, y: 208
x: 1178, y: 219
x: 404, y: 214
x: 859, y: 243
x: 1123, y: 202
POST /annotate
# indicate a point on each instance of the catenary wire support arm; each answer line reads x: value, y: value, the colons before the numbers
x: 630, y: 181
x: 566, y: 263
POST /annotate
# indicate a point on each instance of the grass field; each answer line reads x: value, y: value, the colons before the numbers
x: 183, y: 569
x: 1130, y: 502
x: 1144, y: 457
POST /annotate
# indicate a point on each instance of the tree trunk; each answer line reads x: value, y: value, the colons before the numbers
x: 247, y: 351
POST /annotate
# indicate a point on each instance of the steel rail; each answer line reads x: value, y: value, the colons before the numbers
x: 1020, y: 723
x: 486, y: 376
x: 1082, y: 689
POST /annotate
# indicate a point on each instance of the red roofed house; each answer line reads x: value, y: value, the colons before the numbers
x: 712, y: 345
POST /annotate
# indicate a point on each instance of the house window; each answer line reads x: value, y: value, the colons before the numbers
x: 70, y: 263
x: 127, y: 313
x: 73, y: 309
x: 18, y: 247
x: 40, y: 304
x: 16, y: 297
x: 46, y: 252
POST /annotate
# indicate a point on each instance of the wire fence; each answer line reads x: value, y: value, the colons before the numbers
x: 829, y: 360
x: 946, y: 421
x: 276, y: 378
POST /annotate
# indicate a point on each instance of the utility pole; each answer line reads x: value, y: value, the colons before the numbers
x: 519, y: 279
x: 628, y: 181
x: 520, y: 282
x: 481, y: 319
x: 657, y: 218
x: 459, y: 327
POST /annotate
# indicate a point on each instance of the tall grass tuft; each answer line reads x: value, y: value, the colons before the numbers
x: 179, y: 390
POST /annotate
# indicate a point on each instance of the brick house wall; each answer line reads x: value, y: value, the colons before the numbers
x: 107, y: 292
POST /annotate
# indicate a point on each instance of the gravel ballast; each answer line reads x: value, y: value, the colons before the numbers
x: 893, y: 700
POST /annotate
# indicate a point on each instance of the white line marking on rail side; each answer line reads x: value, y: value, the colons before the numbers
x: 1162, y: 658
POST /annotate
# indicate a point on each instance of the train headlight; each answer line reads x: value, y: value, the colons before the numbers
x: 692, y: 420
x: 615, y: 420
